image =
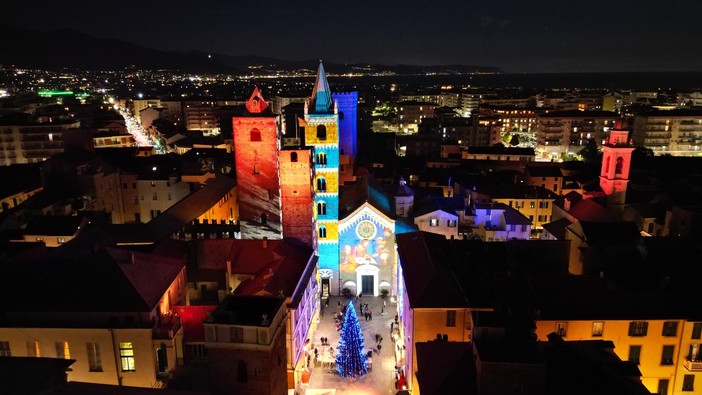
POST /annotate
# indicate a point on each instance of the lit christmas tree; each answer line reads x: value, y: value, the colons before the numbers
x: 351, y: 354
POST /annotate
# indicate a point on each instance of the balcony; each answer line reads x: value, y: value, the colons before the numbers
x: 167, y: 328
x: 693, y: 366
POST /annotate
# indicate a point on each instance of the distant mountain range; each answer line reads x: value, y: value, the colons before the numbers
x: 67, y: 48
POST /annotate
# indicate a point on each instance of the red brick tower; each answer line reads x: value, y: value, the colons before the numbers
x: 296, y: 176
x: 256, y: 147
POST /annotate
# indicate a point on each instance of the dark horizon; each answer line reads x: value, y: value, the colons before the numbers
x: 549, y: 37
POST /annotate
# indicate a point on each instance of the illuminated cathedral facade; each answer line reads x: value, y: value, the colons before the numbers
x: 295, y: 191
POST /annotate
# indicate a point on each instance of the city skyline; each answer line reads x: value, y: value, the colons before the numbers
x: 520, y: 38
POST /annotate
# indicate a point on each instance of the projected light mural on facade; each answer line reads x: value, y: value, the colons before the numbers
x: 366, y: 251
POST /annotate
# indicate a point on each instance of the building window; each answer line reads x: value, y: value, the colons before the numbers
x: 451, y: 318
x: 293, y: 157
x: 697, y: 330
x: 524, y: 228
x: 255, y: 135
x: 236, y: 335
x: 169, y: 197
x: 321, y: 132
x: 322, y: 232
x: 451, y: 223
x: 635, y: 354
x: 33, y: 349
x: 619, y: 165
x: 670, y: 328
x: 321, y: 184
x: 94, y: 361
x: 561, y: 328
x: 5, y: 349
x: 321, y: 208
x: 663, y: 386
x: 531, y: 205
x: 688, y: 382
x: 62, y: 350
x: 667, y: 355
x: 543, y: 204
x: 126, y: 354
x: 433, y: 222
x: 597, y: 328
x: 241, y: 372
x: 694, y: 353
x: 154, y: 196
x: 210, y: 334
x: 60, y: 240
x: 135, y: 199
x: 322, y: 159
x: 638, y: 328
x: 264, y: 219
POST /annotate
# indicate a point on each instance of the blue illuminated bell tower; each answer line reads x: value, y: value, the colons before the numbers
x: 322, y: 133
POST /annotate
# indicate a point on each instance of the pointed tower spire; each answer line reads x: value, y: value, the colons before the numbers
x: 321, y: 99
x: 256, y: 104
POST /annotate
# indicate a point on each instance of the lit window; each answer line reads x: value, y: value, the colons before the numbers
x: 561, y: 328
x: 33, y: 349
x: 433, y: 222
x: 126, y: 354
x: 597, y: 328
x: 62, y: 350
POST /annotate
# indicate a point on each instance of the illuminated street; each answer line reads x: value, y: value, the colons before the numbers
x: 381, y: 379
x: 134, y: 128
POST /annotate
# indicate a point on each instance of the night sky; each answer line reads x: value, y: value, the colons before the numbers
x: 518, y: 36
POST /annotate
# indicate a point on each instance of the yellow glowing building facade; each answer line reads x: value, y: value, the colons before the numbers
x: 666, y: 351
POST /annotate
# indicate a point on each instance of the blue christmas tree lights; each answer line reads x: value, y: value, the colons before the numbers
x: 351, y: 354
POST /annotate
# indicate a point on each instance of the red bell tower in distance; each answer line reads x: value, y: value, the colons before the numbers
x: 256, y: 147
x: 616, y: 164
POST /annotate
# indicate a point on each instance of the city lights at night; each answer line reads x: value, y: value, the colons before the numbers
x: 350, y: 198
